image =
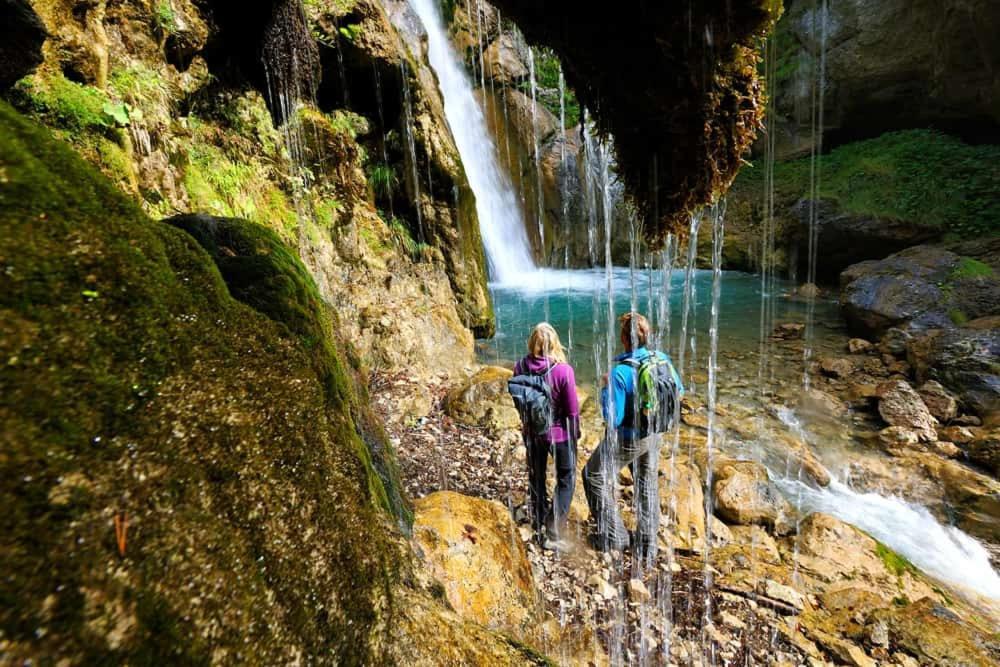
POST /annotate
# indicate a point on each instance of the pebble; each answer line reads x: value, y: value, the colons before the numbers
x: 637, y: 591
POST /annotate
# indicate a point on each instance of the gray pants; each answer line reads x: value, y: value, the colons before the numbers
x: 599, y: 476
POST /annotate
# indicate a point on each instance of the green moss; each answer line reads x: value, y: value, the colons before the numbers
x: 237, y: 188
x: 164, y: 17
x: 63, y: 103
x: 970, y: 269
x: 957, y: 317
x: 921, y: 176
x: 894, y: 562
x: 142, y: 86
x: 232, y: 433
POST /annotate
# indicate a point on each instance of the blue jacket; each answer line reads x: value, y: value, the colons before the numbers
x: 621, y: 391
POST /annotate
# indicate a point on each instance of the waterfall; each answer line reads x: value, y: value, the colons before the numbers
x: 501, y: 219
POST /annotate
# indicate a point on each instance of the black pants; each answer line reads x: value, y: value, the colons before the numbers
x: 543, y: 514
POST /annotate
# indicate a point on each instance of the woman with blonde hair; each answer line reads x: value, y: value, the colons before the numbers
x: 546, y: 357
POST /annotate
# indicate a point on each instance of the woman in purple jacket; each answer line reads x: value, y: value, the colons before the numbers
x: 547, y: 357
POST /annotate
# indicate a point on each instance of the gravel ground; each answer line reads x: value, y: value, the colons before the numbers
x: 653, y: 616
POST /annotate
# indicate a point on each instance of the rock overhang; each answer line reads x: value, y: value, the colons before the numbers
x: 676, y: 84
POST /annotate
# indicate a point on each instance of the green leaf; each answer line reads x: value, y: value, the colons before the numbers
x: 90, y: 294
x: 117, y: 112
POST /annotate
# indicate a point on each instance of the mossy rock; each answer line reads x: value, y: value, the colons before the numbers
x: 135, y: 386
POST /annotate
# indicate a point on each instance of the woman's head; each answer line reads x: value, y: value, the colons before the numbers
x: 634, y: 330
x: 544, y: 343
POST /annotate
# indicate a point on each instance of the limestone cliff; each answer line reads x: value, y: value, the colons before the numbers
x: 292, y: 118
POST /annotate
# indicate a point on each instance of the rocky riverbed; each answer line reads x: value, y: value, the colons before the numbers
x: 786, y: 586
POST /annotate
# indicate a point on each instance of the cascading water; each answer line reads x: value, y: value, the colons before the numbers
x: 501, y: 219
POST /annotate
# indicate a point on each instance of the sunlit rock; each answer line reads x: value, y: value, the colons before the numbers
x: 472, y: 547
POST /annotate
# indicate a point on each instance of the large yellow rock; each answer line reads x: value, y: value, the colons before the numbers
x: 482, y: 400
x: 473, y: 548
x: 682, y: 502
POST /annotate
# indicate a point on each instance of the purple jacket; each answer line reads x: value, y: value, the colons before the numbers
x: 565, y: 405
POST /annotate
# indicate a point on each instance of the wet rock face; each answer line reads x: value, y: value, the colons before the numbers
x: 846, y: 238
x: 880, y: 78
x: 291, y: 60
x: 678, y: 137
x: 21, y: 37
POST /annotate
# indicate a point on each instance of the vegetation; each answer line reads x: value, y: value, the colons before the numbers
x: 969, y: 268
x: 350, y: 32
x: 925, y: 177
x: 789, y: 55
x: 164, y: 17
x: 64, y: 104
x: 547, y: 71
x: 236, y: 188
x: 383, y: 180
x: 894, y: 562
x: 349, y: 123
x: 142, y: 86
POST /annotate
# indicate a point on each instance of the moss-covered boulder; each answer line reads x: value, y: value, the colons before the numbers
x: 187, y: 473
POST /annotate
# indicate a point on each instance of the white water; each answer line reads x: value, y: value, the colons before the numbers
x: 909, y: 529
x: 943, y: 551
x: 501, y: 219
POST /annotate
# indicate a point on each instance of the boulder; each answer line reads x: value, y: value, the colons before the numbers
x: 923, y: 287
x: 935, y: 634
x: 893, y: 343
x: 21, y: 37
x: 683, y: 505
x: 818, y: 404
x: 467, y: 545
x: 879, y: 295
x: 744, y: 495
x: 897, y: 439
x: 482, y: 400
x: 939, y: 401
x: 789, y: 331
x: 901, y: 406
x: 984, y: 450
x: 965, y: 361
x: 837, y: 367
x: 858, y: 346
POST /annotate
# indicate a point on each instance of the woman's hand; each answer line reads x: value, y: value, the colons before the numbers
x: 604, y: 380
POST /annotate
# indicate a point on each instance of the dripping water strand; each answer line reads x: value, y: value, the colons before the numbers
x: 718, y: 229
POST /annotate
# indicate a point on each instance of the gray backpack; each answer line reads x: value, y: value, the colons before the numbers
x: 533, y: 400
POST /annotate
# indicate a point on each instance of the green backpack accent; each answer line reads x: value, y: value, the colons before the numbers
x: 657, y: 385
